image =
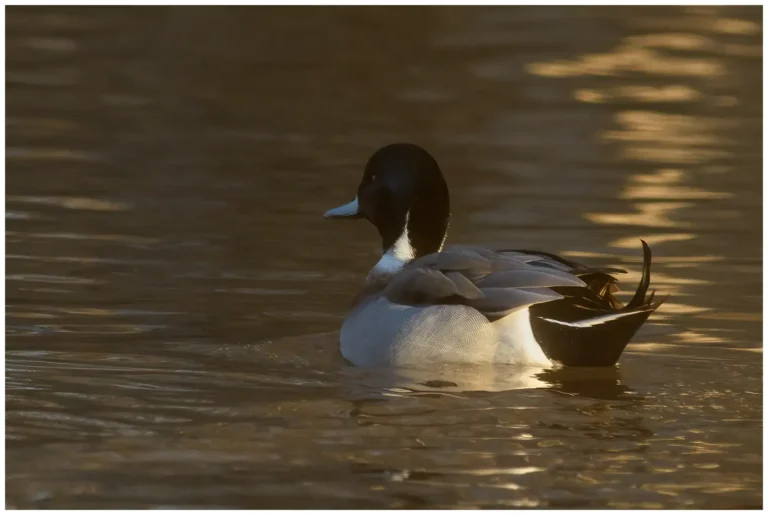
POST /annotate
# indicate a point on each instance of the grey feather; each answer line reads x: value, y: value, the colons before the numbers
x: 507, y: 300
x: 427, y: 261
x: 495, y: 284
x: 507, y: 263
x: 452, y: 260
x: 528, y: 278
x: 481, y: 251
x: 464, y: 286
x: 552, y: 294
x: 419, y: 285
x: 465, y: 260
x: 551, y: 264
x: 520, y: 256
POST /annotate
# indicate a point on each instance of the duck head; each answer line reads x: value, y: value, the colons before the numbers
x: 404, y: 195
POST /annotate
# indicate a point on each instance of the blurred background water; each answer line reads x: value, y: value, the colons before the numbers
x: 173, y: 291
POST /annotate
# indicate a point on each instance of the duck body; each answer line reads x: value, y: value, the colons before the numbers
x: 384, y: 333
x: 423, y: 305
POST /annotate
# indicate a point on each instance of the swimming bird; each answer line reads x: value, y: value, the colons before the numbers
x: 424, y: 304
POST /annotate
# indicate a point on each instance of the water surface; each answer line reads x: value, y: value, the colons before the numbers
x: 173, y: 291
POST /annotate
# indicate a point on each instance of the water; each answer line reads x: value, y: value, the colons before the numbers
x: 173, y: 293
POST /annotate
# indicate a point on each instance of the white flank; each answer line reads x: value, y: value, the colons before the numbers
x: 517, y: 345
x: 397, y: 256
x: 590, y: 322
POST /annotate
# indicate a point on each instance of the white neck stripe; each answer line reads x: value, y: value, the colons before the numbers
x: 400, y: 253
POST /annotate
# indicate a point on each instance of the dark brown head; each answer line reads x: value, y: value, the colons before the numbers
x: 403, y: 193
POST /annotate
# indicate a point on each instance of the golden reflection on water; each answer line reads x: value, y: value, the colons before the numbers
x: 649, y: 69
x: 60, y: 77
x: 32, y: 127
x: 734, y: 26
x: 662, y: 185
x: 83, y: 203
x: 668, y: 138
x: 121, y: 238
x: 656, y: 215
x: 631, y: 55
x: 651, y: 239
x: 50, y: 154
x: 696, y: 337
x: 671, y: 93
x: 49, y: 44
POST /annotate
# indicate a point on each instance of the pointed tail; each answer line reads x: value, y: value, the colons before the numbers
x: 639, y: 300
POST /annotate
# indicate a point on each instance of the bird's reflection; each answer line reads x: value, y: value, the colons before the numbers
x: 448, y: 379
x: 592, y: 382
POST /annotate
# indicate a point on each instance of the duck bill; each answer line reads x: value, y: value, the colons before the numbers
x: 351, y: 210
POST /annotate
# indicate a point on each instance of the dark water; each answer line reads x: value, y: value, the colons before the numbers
x: 173, y: 291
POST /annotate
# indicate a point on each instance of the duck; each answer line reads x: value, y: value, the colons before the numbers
x: 424, y: 303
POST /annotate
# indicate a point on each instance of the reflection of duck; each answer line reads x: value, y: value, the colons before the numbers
x: 423, y: 305
x: 597, y: 419
x: 453, y: 378
x: 596, y: 383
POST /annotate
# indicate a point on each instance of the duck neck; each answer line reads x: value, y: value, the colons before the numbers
x: 417, y: 238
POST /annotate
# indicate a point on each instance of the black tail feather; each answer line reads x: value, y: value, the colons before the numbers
x: 570, y: 333
x: 638, y: 299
